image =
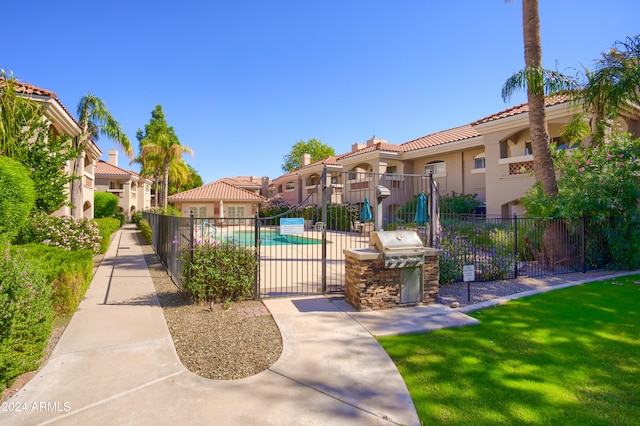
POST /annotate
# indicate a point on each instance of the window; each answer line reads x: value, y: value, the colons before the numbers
x: 392, y: 169
x: 435, y: 167
x: 290, y: 186
x: 235, y: 211
x: 479, y: 162
x: 527, y: 149
x: 198, y: 211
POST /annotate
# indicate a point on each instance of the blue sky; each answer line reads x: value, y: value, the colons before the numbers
x: 241, y: 81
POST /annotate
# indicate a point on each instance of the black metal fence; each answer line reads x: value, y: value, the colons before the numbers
x: 300, y: 248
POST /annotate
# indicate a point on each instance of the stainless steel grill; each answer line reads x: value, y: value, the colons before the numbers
x: 400, y: 249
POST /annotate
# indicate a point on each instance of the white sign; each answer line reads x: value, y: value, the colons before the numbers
x: 469, y: 273
x: 291, y: 225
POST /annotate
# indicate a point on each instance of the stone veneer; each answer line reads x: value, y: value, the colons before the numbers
x: 370, y: 286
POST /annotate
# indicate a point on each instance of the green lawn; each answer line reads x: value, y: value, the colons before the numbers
x: 568, y: 356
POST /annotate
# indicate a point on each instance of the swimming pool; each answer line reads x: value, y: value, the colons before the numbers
x: 267, y: 238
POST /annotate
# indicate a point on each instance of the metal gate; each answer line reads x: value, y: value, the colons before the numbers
x: 301, y: 249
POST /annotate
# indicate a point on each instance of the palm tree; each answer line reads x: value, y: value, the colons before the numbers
x: 613, y: 85
x: 537, y: 81
x: 165, y: 149
x: 95, y: 121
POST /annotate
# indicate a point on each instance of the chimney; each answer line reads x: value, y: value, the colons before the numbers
x: 113, y: 157
x: 357, y: 146
x: 306, y: 160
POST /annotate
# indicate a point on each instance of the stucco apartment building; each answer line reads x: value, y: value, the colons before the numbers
x: 63, y: 122
x: 133, y: 191
x: 490, y: 157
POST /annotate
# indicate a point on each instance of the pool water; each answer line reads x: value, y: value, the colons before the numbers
x: 267, y: 238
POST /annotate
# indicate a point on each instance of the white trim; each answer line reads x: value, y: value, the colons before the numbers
x: 476, y: 171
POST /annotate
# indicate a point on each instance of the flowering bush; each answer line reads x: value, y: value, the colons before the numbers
x: 601, y: 182
x: 484, y: 245
x: 218, y: 271
x: 25, y: 315
x: 274, y: 206
x: 64, y: 231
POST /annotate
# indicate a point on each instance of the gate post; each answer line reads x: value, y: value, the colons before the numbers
x: 256, y: 290
x: 325, y: 189
x: 515, y: 245
x: 431, y: 212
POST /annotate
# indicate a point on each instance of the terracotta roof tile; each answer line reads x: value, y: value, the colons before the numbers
x: 104, y: 168
x: 440, y: 138
x: 217, y: 190
x: 244, y: 181
x: 379, y: 146
x: 523, y: 108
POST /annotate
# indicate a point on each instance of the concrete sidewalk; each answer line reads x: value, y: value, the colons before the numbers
x: 116, y: 364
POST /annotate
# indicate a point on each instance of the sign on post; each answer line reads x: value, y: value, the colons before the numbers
x: 291, y: 226
x: 468, y: 273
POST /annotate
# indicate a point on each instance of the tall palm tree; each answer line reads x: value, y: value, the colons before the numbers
x: 95, y: 121
x: 165, y: 148
x: 537, y: 81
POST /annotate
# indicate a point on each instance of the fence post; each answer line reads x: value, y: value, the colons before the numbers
x: 431, y: 212
x: 256, y: 290
x: 325, y: 189
x: 191, y: 242
x: 515, y: 245
x: 584, y: 242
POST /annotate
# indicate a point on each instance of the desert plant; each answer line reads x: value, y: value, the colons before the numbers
x: 17, y: 197
x: 25, y: 315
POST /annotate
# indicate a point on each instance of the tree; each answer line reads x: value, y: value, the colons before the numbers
x: 160, y: 149
x: 314, y: 147
x: 95, y: 121
x: 613, y: 85
x: 25, y: 135
x: 537, y: 81
x: 183, y: 177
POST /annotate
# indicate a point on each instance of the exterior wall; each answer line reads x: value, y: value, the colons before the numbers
x: 213, y: 208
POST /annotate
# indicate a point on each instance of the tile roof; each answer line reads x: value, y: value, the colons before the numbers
x: 217, y: 190
x: 440, y: 138
x: 244, y: 181
x: 105, y: 168
x: 523, y: 108
x: 30, y: 90
x: 378, y: 146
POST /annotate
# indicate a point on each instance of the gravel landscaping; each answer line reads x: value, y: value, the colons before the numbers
x: 224, y: 343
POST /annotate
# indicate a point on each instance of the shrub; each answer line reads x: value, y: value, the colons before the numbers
x: 136, y: 217
x: 17, y: 197
x: 146, y: 230
x: 274, y: 206
x: 460, y: 203
x: 63, y: 231
x: 121, y: 217
x: 219, y: 271
x: 340, y: 217
x: 69, y: 274
x: 106, y: 204
x: 106, y: 227
x: 25, y: 315
x: 484, y: 245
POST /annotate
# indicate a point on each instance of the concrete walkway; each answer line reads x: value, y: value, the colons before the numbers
x: 116, y: 363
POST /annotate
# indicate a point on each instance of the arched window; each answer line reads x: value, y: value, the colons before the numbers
x: 435, y: 167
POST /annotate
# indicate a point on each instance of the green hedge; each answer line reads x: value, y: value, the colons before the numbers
x: 17, y: 197
x: 68, y: 272
x: 106, y: 227
x: 26, y: 315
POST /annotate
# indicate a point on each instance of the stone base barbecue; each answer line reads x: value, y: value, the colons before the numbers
x: 369, y: 285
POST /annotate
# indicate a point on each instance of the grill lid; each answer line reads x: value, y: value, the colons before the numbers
x: 389, y: 242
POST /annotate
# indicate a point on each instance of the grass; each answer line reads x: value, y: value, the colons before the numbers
x: 569, y: 356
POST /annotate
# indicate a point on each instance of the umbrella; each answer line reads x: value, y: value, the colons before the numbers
x: 365, y: 213
x: 421, y: 216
